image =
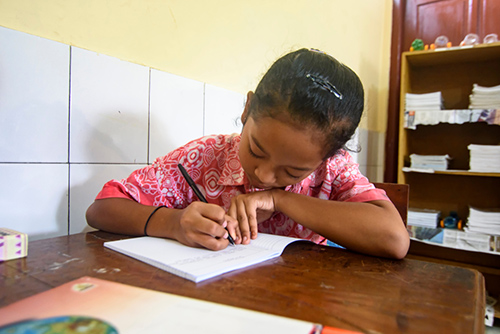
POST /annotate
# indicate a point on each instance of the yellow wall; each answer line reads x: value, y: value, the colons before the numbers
x: 227, y: 43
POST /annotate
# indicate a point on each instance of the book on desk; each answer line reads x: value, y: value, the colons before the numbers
x: 198, y: 264
x: 91, y: 305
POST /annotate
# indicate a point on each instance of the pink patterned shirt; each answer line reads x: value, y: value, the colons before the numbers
x: 214, y: 165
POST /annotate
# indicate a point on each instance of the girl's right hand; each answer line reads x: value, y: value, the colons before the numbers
x: 203, y: 225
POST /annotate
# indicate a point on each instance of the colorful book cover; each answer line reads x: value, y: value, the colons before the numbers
x: 94, y: 306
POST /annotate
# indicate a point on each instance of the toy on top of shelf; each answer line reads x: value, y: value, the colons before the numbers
x: 470, y: 39
x: 441, y: 42
x: 417, y: 45
x: 491, y: 38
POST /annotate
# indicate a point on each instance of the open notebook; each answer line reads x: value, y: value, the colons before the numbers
x: 198, y: 264
x: 89, y: 305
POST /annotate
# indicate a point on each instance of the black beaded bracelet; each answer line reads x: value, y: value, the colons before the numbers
x: 149, y: 218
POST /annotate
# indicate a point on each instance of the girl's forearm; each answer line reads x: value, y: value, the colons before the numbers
x: 123, y: 216
x: 373, y: 228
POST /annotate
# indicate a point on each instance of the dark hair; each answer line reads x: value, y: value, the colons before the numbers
x: 317, y: 91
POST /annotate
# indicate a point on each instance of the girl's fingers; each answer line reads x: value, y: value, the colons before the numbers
x: 233, y: 229
x: 202, y: 225
x: 251, y: 213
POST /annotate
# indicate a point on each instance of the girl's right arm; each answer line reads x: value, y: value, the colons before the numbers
x: 198, y: 225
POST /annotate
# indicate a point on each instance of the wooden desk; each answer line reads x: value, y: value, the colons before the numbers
x: 319, y: 284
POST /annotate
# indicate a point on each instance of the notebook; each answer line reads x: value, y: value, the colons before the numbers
x: 197, y: 264
x: 90, y: 305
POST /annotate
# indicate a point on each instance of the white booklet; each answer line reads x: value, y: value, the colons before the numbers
x: 198, y: 264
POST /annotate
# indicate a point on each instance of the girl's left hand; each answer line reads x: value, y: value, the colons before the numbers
x: 251, y: 209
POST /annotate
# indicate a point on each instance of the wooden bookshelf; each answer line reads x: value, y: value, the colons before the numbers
x: 452, y: 72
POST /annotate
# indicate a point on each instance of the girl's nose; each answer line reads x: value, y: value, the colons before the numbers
x: 265, y: 174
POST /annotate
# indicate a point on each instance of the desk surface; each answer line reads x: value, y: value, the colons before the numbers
x: 315, y: 283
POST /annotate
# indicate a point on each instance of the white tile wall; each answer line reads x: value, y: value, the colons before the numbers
x: 86, y: 180
x: 223, y: 109
x: 109, y: 109
x: 34, y: 199
x: 176, y: 107
x: 119, y: 117
x: 34, y: 86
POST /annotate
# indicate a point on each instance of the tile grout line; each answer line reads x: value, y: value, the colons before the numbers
x: 69, y: 141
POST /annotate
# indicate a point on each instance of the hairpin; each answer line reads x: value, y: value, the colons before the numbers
x: 325, y: 84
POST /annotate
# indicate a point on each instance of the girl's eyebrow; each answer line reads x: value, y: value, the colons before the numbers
x: 256, y: 142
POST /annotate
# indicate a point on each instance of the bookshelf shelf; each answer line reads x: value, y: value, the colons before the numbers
x: 453, y: 72
x: 457, y: 172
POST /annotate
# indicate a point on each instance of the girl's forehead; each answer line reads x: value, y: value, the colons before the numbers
x: 294, y: 125
x: 294, y: 142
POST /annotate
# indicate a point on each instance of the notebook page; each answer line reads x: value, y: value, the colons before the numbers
x: 198, y: 264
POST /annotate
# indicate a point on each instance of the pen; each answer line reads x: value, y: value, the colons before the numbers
x: 200, y: 196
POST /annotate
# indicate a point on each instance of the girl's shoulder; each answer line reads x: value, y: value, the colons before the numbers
x: 206, y: 147
x: 340, y: 165
x: 218, y: 141
x: 341, y: 158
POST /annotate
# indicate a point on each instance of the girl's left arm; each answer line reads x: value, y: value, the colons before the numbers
x: 374, y: 228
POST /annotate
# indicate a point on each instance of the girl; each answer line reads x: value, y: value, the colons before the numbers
x: 287, y: 173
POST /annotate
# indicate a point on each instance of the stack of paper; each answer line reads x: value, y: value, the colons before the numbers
x: 423, y: 102
x: 435, y: 162
x: 484, y: 158
x: 484, y: 221
x: 423, y: 217
x: 484, y: 97
x: 467, y: 240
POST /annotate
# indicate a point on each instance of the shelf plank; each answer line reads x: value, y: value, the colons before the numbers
x: 455, y: 172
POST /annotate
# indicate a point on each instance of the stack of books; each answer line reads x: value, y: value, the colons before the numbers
x: 468, y: 240
x: 423, y: 217
x: 424, y: 102
x: 435, y: 162
x: 484, y: 158
x: 484, y: 97
x: 483, y: 221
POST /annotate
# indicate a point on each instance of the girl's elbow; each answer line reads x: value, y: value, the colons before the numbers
x: 90, y: 216
x: 400, y: 244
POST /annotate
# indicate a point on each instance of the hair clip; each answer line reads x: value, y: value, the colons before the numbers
x: 325, y: 84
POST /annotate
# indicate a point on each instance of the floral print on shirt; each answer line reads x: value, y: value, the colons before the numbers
x: 214, y: 165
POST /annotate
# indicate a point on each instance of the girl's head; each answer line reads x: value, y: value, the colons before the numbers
x: 305, y: 108
x: 311, y: 89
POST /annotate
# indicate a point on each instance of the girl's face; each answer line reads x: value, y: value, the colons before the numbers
x: 275, y: 153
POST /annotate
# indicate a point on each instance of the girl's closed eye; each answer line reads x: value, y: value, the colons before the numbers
x: 292, y: 176
x: 253, y: 154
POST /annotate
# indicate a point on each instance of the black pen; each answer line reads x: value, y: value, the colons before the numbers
x: 200, y: 196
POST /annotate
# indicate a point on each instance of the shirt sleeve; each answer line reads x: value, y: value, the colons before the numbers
x: 141, y: 186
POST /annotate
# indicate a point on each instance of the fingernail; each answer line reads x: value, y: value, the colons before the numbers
x: 226, y: 235
x: 224, y: 224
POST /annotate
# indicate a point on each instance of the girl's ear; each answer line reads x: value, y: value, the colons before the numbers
x: 246, y: 111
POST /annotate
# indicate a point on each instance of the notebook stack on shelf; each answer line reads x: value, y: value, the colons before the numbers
x: 435, y: 162
x: 423, y: 217
x: 421, y: 109
x: 424, y: 102
x: 483, y: 221
x: 484, y: 158
x: 484, y: 97
x: 468, y: 240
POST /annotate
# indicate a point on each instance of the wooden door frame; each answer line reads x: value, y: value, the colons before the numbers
x: 392, y: 133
